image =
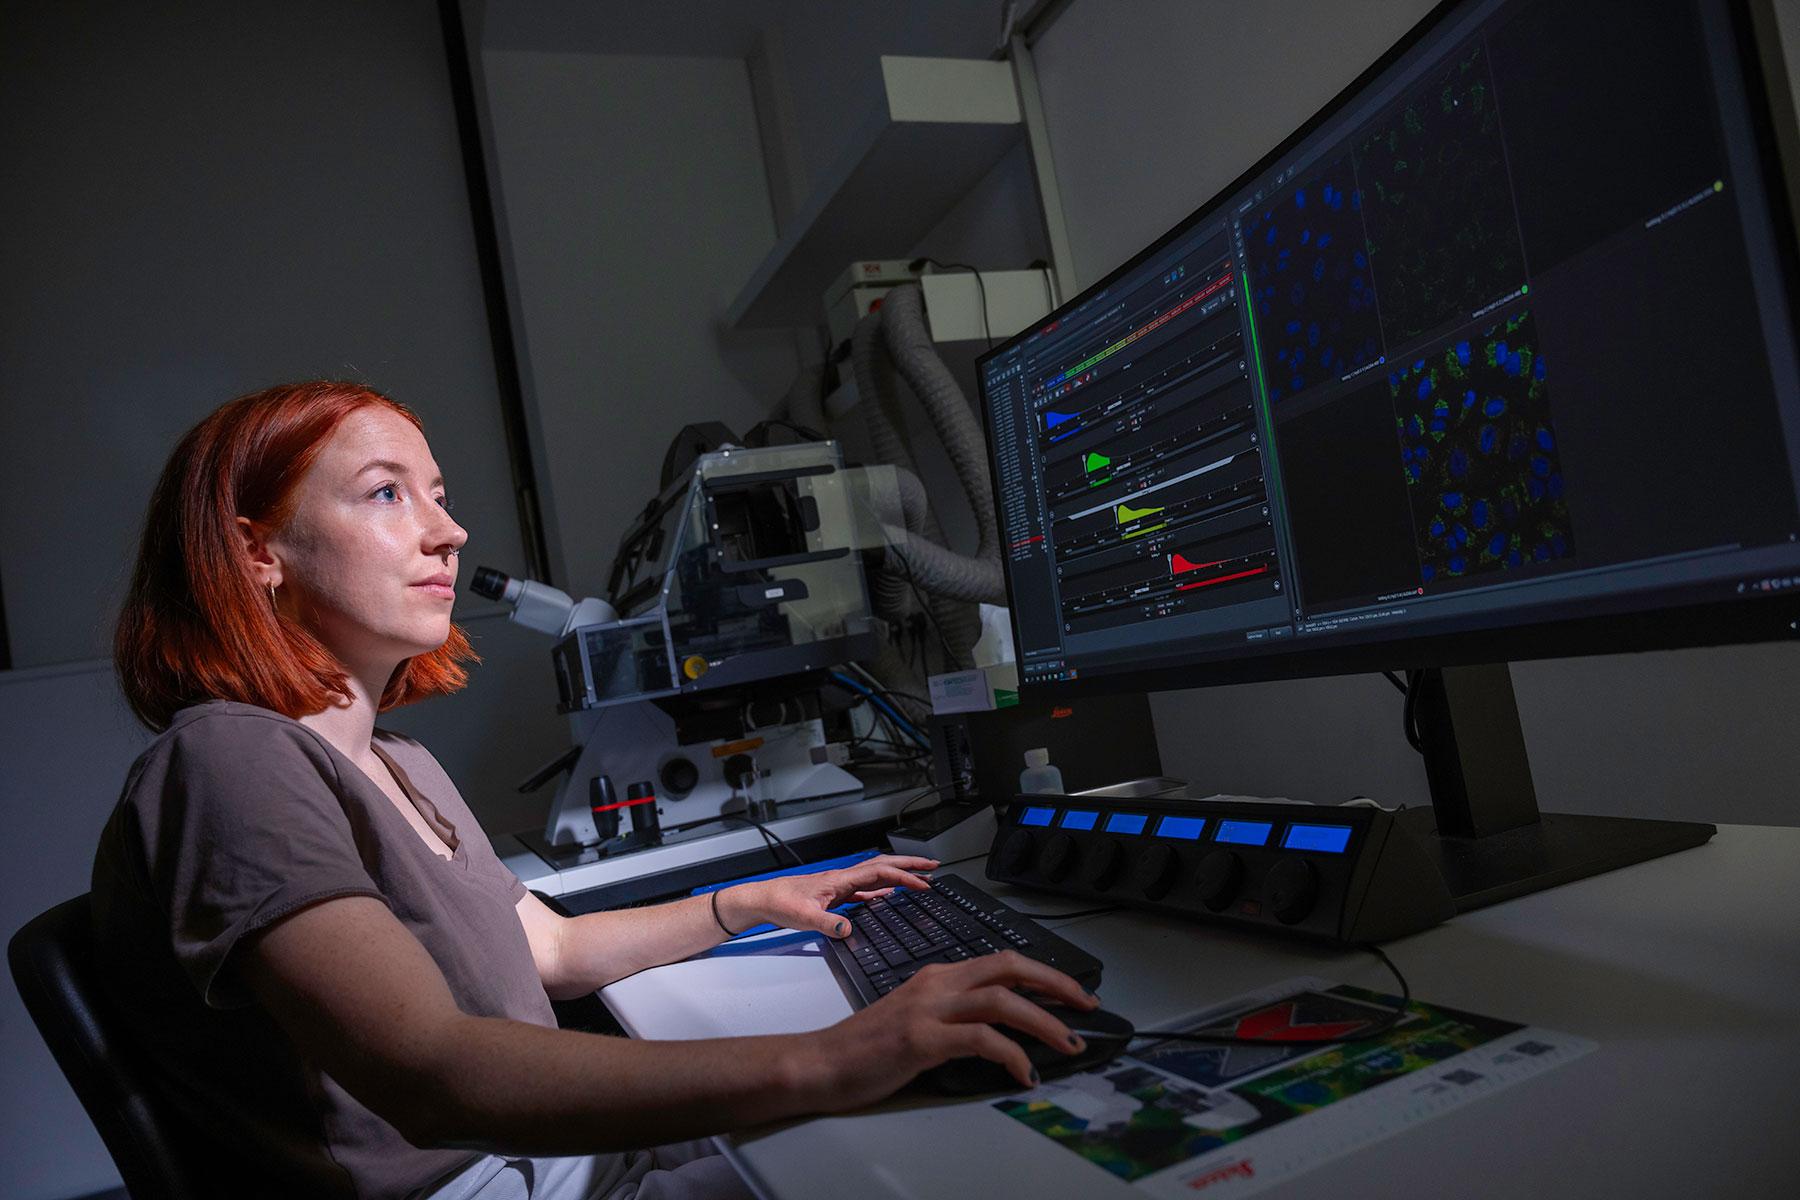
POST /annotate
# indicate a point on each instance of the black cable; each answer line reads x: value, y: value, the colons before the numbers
x: 1409, y: 713
x: 1082, y: 912
x: 1381, y: 1028
x: 986, y: 331
x: 768, y: 834
x: 1395, y: 680
x: 951, y: 661
x: 805, y: 431
x: 930, y: 791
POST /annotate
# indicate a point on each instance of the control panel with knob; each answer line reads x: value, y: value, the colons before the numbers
x: 1342, y: 874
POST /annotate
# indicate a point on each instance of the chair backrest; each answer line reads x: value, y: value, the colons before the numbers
x: 159, y: 1155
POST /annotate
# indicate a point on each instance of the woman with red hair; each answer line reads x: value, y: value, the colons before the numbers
x: 330, y: 969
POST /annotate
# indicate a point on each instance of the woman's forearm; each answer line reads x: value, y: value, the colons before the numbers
x: 599, y: 948
x: 511, y: 1087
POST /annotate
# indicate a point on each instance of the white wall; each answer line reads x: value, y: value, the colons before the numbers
x: 199, y: 201
x: 635, y: 206
x: 1153, y: 107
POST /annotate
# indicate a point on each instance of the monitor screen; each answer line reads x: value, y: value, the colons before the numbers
x: 1502, y: 340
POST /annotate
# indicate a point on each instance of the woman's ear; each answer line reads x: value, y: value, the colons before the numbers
x: 263, y: 561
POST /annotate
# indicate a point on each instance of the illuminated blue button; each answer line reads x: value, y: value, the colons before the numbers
x: 1324, y: 839
x: 1079, y: 820
x: 1036, y: 816
x: 1181, y: 827
x: 1126, y: 823
x: 1243, y: 833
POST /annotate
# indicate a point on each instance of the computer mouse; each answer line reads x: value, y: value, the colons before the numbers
x: 1106, y: 1034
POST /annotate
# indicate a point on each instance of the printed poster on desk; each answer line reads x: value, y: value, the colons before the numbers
x: 1176, y: 1118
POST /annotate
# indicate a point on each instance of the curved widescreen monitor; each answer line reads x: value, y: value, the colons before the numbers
x: 1494, y: 358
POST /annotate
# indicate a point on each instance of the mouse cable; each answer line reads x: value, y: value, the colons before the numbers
x: 1084, y: 912
x: 1380, y: 1029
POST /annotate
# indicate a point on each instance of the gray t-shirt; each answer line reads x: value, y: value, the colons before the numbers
x: 233, y: 818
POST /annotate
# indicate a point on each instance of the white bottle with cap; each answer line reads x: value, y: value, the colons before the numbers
x: 1039, y: 776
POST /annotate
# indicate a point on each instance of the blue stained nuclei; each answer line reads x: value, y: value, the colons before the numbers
x: 1437, y: 527
x: 1291, y: 328
x: 1487, y: 439
x: 1424, y: 387
x: 1494, y: 407
x: 1544, y: 440
x: 1540, y: 466
x: 1458, y: 564
x: 1469, y: 398
x: 1360, y: 259
x: 1453, y: 500
x: 1496, y: 544
x: 1537, y: 368
x: 1462, y: 353
x: 1324, y: 240
x: 1478, y: 513
x: 1426, y: 571
x: 1514, y: 558
x: 1513, y: 364
x: 1419, y: 365
x: 1305, y: 236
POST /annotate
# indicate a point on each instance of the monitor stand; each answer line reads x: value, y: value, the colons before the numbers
x: 1484, y: 829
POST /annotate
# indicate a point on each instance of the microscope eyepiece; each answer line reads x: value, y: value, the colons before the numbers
x: 490, y: 583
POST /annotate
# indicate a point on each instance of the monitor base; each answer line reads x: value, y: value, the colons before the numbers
x: 1555, y: 849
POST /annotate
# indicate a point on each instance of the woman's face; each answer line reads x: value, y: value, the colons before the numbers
x: 365, y: 561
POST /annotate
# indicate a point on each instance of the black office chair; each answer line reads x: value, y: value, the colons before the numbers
x: 159, y: 1154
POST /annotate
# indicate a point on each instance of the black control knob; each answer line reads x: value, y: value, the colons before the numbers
x: 1016, y: 852
x: 1104, y: 862
x: 1291, y: 889
x: 1218, y: 879
x: 1154, y: 872
x: 1058, y: 856
x: 679, y: 776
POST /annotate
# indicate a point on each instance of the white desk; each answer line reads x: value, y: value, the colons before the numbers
x: 1685, y: 970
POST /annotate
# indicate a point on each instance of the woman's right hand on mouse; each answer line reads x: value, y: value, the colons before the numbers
x: 947, y: 1010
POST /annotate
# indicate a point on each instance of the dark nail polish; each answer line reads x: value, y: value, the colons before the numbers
x: 1074, y: 1042
x: 843, y: 927
x: 1034, y: 1075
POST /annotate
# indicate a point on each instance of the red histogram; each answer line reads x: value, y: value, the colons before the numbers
x: 1178, y: 564
x: 1188, y: 587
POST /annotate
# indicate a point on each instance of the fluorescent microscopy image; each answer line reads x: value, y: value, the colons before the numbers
x: 1443, y: 237
x: 1479, y: 452
x: 1309, y: 282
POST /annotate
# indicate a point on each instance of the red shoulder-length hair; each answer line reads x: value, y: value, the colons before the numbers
x: 196, y: 626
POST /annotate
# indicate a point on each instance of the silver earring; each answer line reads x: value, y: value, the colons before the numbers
x: 271, y: 595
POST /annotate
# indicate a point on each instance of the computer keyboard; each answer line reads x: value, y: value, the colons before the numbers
x: 892, y: 937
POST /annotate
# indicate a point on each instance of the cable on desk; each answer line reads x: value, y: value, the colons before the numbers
x: 1084, y: 912
x: 770, y: 837
x: 1380, y: 1029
